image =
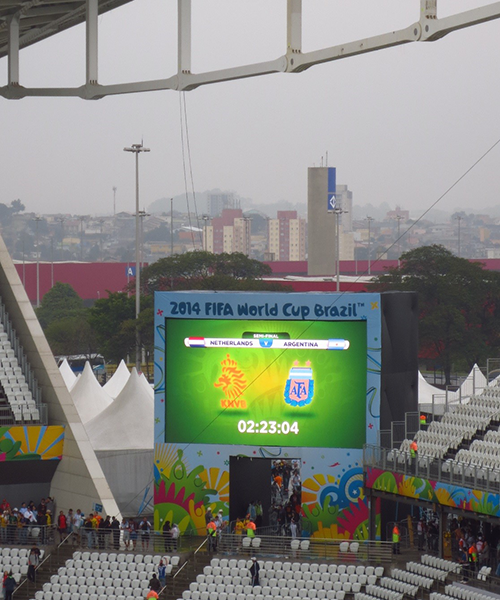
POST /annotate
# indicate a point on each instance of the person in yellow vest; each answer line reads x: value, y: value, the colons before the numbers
x: 251, y: 529
x: 396, y: 539
x: 472, y: 560
x: 212, y: 536
x: 413, y: 454
x: 423, y: 421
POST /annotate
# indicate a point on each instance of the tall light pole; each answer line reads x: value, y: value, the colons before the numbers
x: 247, y: 230
x: 459, y: 218
x: 61, y: 220
x: 399, y: 218
x: 369, y: 219
x: 101, y: 221
x: 114, y: 200
x: 205, y: 218
x: 82, y: 219
x: 337, y: 212
x: 137, y: 149
x: 142, y: 214
x: 37, y: 220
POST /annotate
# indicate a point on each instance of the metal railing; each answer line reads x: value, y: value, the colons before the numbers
x: 313, y: 549
x: 26, y: 536
x: 474, y: 477
x: 7, y: 417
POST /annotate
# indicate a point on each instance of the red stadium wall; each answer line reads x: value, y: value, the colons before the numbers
x: 90, y: 280
x: 94, y: 280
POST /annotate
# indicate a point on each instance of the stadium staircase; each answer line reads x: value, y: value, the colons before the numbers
x: 48, y: 567
x: 193, y: 566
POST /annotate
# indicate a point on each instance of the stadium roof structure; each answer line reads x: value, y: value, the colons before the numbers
x: 39, y: 19
x: 24, y: 22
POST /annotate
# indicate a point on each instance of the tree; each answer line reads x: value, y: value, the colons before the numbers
x: 58, y: 303
x: 113, y: 321
x: 72, y: 335
x: 200, y: 270
x: 459, y: 304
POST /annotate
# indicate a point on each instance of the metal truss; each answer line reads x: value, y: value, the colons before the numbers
x: 30, y: 21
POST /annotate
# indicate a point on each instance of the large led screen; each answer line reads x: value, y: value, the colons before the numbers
x: 270, y: 383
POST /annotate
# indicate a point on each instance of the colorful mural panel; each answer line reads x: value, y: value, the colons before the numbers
x: 188, y: 481
x: 438, y: 492
x: 31, y: 442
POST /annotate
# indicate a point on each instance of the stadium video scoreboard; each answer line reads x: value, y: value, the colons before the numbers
x: 263, y: 369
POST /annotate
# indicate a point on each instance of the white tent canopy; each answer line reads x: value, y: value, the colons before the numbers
x: 432, y: 399
x: 118, y: 381
x: 127, y: 423
x: 89, y: 397
x: 147, y: 386
x: 67, y: 374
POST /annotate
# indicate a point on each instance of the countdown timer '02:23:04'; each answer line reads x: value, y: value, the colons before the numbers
x: 270, y: 427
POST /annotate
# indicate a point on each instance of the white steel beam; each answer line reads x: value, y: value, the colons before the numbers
x: 294, y: 26
x: 433, y: 30
x: 13, y: 58
x: 429, y: 28
x: 301, y: 62
x: 91, y: 39
x: 184, y: 36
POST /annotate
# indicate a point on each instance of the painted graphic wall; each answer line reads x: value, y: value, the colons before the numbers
x: 266, y: 376
x: 33, y: 442
x: 437, y: 492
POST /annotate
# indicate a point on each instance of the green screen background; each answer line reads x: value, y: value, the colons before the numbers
x: 336, y: 417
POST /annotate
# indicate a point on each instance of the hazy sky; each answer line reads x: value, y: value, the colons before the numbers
x: 400, y: 125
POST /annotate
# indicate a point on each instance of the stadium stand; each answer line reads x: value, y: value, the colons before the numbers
x: 20, y: 395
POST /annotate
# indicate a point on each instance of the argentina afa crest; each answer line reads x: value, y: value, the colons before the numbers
x: 299, y: 387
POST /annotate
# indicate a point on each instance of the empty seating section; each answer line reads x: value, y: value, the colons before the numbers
x: 457, y: 427
x: 441, y: 563
x: 96, y: 575
x: 412, y: 578
x: 462, y: 592
x: 426, y: 571
x: 15, y: 560
x: 16, y: 378
x: 455, y: 592
x: 229, y: 579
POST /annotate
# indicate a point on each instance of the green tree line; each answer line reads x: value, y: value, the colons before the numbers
x: 459, y: 306
x: 108, y: 327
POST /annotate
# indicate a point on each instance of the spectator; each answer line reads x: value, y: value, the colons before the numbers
x: 69, y: 520
x: 154, y: 584
x: 115, y: 530
x: 78, y: 521
x: 88, y: 527
x: 125, y: 529
x: 254, y: 572
x: 162, y: 572
x: 103, y: 532
x: 167, y: 536
x: 10, y: 586
x: 4, y: 578
x: 145, y: 529
x: 33, y: 562
x: 133, y: 533
x: 61, y: 525
x: 176, y: 532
